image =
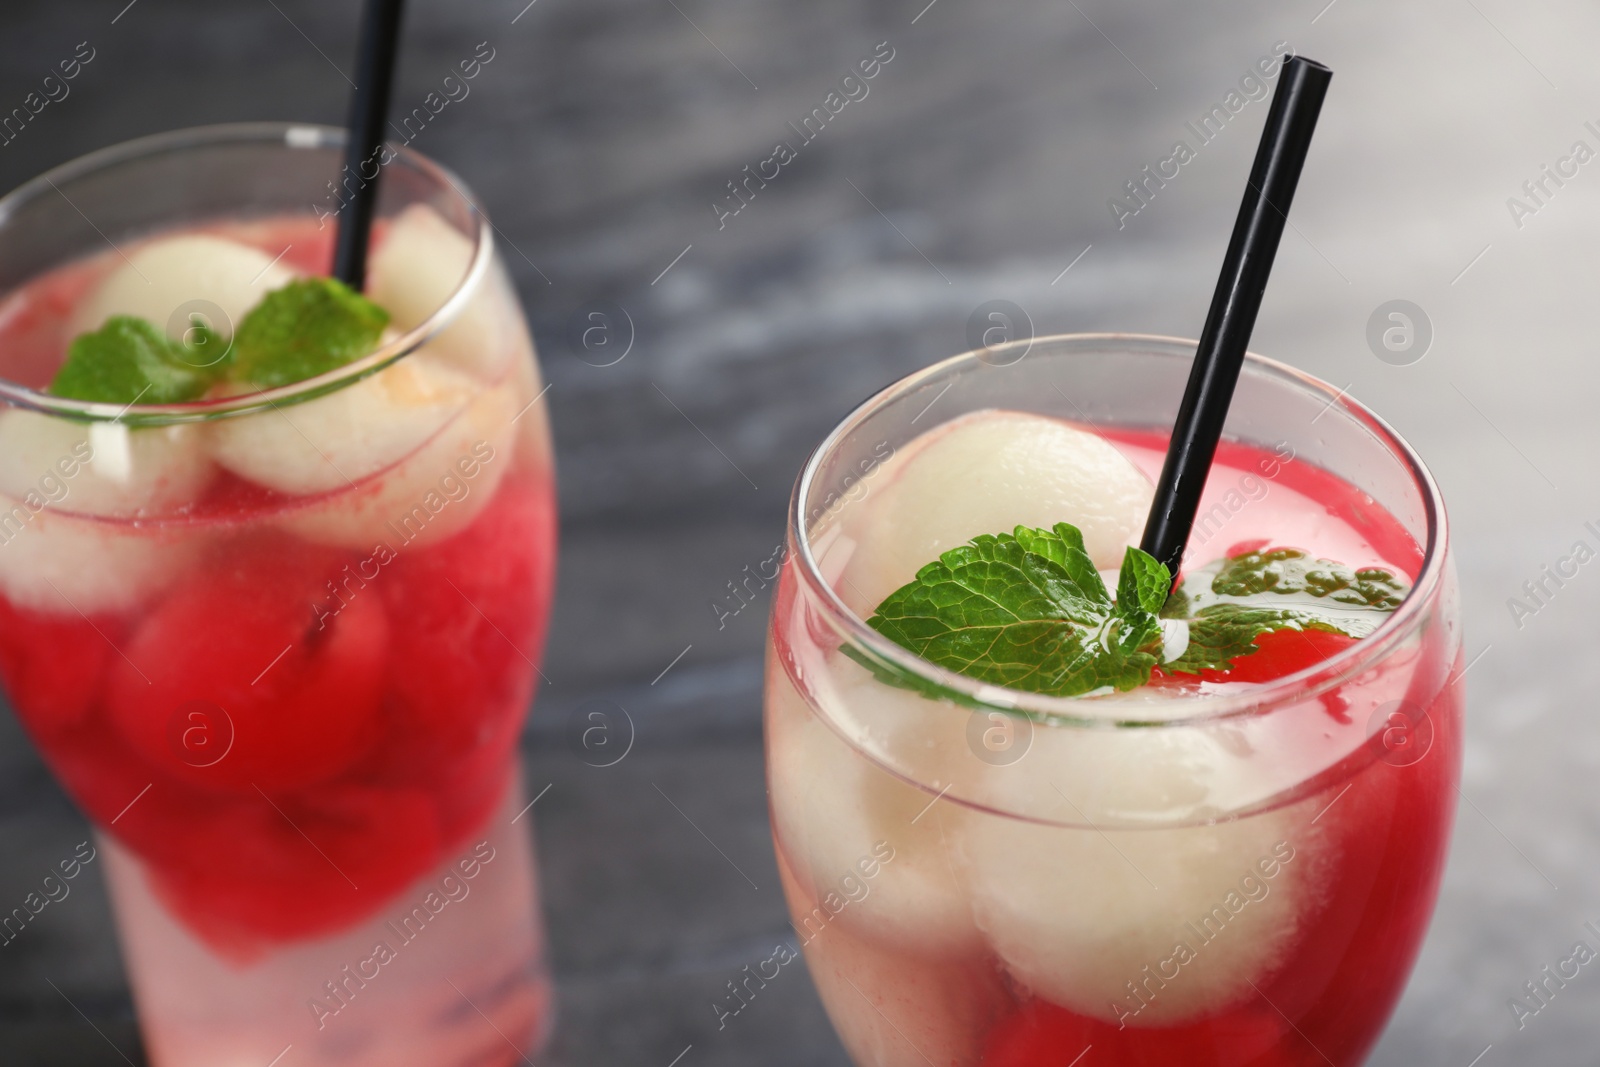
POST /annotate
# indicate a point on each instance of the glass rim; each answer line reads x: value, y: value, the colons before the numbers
x: 1262, y: 697
x: 293, y: 136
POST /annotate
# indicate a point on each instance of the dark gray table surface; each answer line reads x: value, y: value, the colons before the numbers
x: 979, y: 167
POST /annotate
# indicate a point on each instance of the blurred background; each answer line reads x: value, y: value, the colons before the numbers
x: 982, y: 164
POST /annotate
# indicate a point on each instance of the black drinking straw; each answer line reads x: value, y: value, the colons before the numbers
x: 369, y: 112
x: 1217, y: 361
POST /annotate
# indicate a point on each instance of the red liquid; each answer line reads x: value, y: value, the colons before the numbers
x: 366, y: 725
x: 1384, y: 821
x: 1333, y: 994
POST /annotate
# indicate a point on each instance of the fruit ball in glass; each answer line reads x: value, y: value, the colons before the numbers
x: 277, y: 640
x: 1221, y: 868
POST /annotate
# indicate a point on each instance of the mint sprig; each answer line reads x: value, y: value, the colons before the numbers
x: 127, y: 361
x: 1236, y: 600
x: 1027, y: 610
x: 306, y: 328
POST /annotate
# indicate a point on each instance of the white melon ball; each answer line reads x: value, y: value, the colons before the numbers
x: 834, y: 809
x: 212, y: 273
x: 893, y: 1007
x: 987, y: 473
x: 63, y: 564
x: 432, y: 493
x: 334, y: 441
x: 1078, y: 912
x: 101, y: 468
x: 420, y: 263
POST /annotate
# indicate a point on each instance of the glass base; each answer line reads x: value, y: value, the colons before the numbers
x: 446, y: 975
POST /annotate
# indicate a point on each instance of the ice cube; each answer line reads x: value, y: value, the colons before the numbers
x: 429, y: 495
x: 896, y: 1007
x: 837, y: 814
x: 335, y: 440
x: 1145, y: 924
x: 63, y: 564
x: 421, y: 261
x: 987, y: 473
x: 219, y: 279
x: 101, y: 468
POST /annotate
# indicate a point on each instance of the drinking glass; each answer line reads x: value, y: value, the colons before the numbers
x: 1207, y: 875
x: 279, y: 645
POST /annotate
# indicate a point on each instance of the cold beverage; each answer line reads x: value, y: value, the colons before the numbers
x: 275, y: 565
x: 1225, y: 864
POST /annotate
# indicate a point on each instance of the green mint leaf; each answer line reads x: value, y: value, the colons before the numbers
x: 129, y: 361
x: 1231, y: 602
x: 1290, y: 572
x: 1142, y: 587
x: 1226, y: 632
x: 308, y: 327
x: 1143, y: 582
x: 1063, y: 546
x: 1025, y: 610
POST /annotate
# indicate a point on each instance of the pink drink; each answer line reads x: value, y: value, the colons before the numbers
x: 1243, y: 886
x: 289, y: 695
